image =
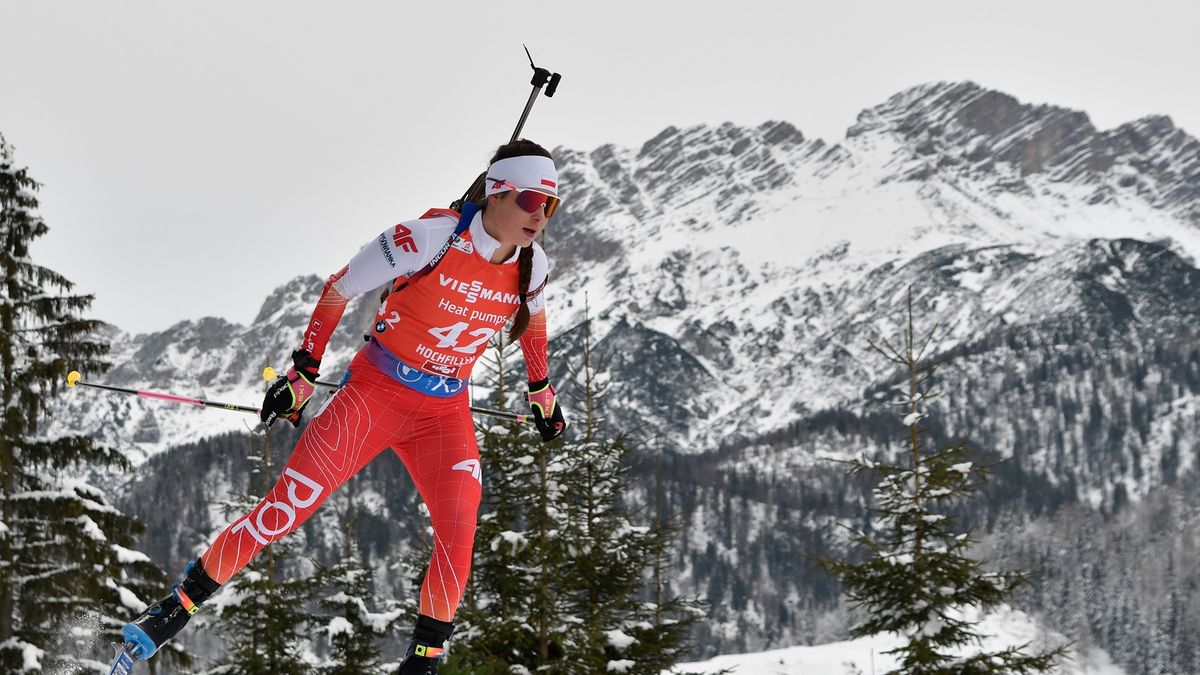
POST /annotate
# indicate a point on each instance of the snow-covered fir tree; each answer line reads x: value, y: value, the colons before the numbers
x: 512, y: 617
x: 1104, y: 600
x: 563, y: 573
x: 629, y: 621
x: 918, y: 579
x: 353, y: 630
x: 69, y: 577
x: 263, y: 611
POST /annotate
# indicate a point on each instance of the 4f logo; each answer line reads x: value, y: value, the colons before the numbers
x: 402, y: 237
x: 471, y: 466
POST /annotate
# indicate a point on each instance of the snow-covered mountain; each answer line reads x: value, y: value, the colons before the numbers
x: 736, y: 276
x: 746, y: 266
x: 769, y: 258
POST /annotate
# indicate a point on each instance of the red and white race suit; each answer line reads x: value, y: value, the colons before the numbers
x: 437, y: 327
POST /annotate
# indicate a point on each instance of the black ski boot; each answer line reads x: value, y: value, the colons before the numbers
x: 164, y: 618
x: 427, y: 646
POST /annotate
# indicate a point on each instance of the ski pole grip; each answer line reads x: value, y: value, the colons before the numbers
x: 73, y: 378
x: 553, y: 86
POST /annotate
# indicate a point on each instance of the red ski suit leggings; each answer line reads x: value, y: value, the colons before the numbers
x: 434, y: 437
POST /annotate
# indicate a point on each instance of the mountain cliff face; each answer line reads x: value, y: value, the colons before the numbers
x: 756, y: 261
x: 736, y: 276
x: 771, y: 259
x: 965, y: 131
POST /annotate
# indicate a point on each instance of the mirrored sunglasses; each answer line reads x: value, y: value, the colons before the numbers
x: 531, y: 200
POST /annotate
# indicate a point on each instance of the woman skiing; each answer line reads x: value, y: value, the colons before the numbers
x: 458, y: 279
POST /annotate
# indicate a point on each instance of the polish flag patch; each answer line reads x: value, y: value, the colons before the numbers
x: 549, y: 183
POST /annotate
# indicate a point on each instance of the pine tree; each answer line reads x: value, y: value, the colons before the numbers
x: 511, y: 617
x: 263, y: 610
x: 629, y: 621
x: 918, y: 577
x: 562, y: 580
x: 69, y: 577
x: 352, y: 628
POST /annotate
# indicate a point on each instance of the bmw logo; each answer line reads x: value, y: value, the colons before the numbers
x: 380, y: 326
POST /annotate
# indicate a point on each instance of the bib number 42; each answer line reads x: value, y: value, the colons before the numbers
x: 449, y: 336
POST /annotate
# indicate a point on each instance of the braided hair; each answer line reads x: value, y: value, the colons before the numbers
x: 520, y: 148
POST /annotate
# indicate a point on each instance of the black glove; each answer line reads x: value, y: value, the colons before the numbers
x: 547, y: 413
x: 289, y: 393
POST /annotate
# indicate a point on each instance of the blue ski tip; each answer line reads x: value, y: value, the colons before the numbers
x: 124, y: 663
x: 137, y: 643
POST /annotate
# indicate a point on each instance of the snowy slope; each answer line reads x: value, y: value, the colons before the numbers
x: 864, y: 656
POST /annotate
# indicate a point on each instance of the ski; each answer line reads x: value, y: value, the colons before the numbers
x: 124, y: 662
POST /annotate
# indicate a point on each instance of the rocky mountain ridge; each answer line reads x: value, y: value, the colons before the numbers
x: 735, y: 274
x: 735, y: 277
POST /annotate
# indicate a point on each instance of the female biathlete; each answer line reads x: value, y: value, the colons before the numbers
x: 406, y: 389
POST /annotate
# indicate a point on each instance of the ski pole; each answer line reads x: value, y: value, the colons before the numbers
x: 519, y: 419
x: 541, y: 78
x: 269, y: 373
x: 75, y: 379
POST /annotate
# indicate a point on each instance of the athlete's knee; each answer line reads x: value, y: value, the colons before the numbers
x: 460, y: 510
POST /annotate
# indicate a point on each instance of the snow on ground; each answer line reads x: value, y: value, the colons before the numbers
x: 1005, y: 627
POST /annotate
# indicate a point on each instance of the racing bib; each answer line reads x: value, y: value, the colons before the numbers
x: 442, y: 323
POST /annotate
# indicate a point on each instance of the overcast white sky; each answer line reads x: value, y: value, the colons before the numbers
x: 195, y: 155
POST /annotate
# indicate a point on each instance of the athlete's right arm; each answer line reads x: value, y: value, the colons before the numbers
x: 397, y: 251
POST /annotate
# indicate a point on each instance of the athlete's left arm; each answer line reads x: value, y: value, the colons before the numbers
x: 543, y: 398
x: 534, y: 340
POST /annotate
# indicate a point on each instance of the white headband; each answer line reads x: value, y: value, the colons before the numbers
x: 527, y: 172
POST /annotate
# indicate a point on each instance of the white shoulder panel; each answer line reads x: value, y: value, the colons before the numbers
x: 397, y: 252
